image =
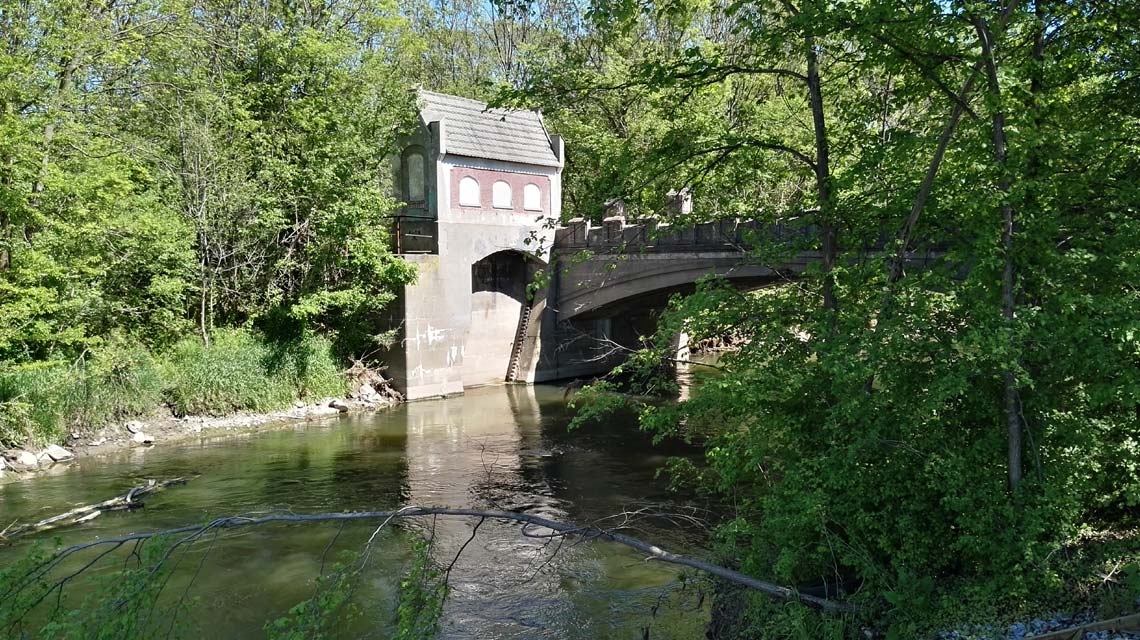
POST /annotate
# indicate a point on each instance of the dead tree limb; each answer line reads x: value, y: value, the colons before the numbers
x: 651, y: 551
x: 79, y: 515
x: 1126, y: 624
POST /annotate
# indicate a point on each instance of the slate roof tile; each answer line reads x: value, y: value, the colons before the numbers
x: 475, y: 131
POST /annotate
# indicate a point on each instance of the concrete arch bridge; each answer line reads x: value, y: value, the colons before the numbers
x: 607, y: 285
x: 482, y: 194
x: 610, y: 283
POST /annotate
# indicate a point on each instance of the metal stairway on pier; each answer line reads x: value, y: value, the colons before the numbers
x: 514, y: 363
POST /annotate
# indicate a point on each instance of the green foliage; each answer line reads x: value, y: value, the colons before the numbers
x: 1124, y: 590
x: 901, y: 490
x: 788, y: 621
x: 423, y: 591
x: 126, y: 603
x: 127, y: 596
x: 860, y: 435
x: 33, y: 406
x: 161, y: 168
x: 120, y: 603
x: 123, y: 380
x: 322, y: 615
x: 422, y: 594
x: 597, y: 402
x: 308, y: 365
x: 21, y: 590
x: 43, y: 402
x: 240, y: 372
x: 122, y: 267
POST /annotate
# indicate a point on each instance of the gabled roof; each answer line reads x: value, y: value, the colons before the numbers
x: 475, y: 131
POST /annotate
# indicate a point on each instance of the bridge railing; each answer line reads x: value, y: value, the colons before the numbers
x: 414, y: 234
x: 617, y: 234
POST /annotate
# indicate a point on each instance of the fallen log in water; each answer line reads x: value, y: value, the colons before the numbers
x: 650, y: 551
x: 79, y: 515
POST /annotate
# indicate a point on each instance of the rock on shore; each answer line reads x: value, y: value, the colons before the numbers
x: 23, y: 461
x: 371, y: 393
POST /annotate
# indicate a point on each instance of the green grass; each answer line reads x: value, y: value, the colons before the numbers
x: 43, y: 402
x: 239, y: 372
x: 32, y: 407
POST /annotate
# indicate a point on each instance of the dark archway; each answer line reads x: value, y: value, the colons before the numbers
x: 504, y: 272
x: 499, y: 312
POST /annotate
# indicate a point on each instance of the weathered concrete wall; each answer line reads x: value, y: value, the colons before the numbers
x: 456, y: 332
x: 487, y: 353
x: 434, y: 316
x: 468, y: 235
x: 498, y: 284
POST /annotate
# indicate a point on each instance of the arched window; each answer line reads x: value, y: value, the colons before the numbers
x: 532, y: 197
x: 414, y: 166
x: 501, y: 195
x: 469, y: 192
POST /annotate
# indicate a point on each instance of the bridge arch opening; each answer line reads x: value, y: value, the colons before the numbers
x: 499, y: 312
x: 597, y: 327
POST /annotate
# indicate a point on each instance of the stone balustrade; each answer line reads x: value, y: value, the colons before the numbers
x: 617, y: 233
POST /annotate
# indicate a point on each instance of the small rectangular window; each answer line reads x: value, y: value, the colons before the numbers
x: 501, y: 195
x: 532, y: 197
x: 469, y: 192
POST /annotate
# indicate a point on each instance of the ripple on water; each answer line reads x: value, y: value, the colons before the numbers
x: 492, y: 448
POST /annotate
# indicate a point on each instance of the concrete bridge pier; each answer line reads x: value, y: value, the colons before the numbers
x: 464, y: 324
x: 431, y: 318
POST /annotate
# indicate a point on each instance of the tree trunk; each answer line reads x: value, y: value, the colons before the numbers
x: 203, y: 309
x: 1009, y: 378
x: 205, y: 305
x: 1033, y: 172
x: 5, y: 242
x: 906, y: 233
x: 822, y: 175
x: 85, y: 513
x: 64, y: 85
x: 6, y: 221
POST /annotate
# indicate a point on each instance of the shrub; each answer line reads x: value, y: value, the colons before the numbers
x: 36, y: 402
x: 228, y: 375
x: 308, y: 365
x: 876, y: 459
x: 240, y: 372
x: 121, y: 380
x: 42, y: 402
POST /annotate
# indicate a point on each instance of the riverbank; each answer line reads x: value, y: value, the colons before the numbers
x: 122, y: 394
x: 164, y: 428
x: 492, y: 447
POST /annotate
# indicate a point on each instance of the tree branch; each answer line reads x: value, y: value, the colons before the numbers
x: 651, y: 551
x: 82, y: 514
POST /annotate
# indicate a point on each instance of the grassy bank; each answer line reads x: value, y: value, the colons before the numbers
x: 240, y: 370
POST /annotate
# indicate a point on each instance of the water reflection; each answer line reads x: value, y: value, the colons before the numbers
x: 495, y: 448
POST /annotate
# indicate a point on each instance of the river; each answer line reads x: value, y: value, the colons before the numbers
x: 493, y: 448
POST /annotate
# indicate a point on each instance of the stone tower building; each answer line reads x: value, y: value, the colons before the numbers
x: 483, y: 191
